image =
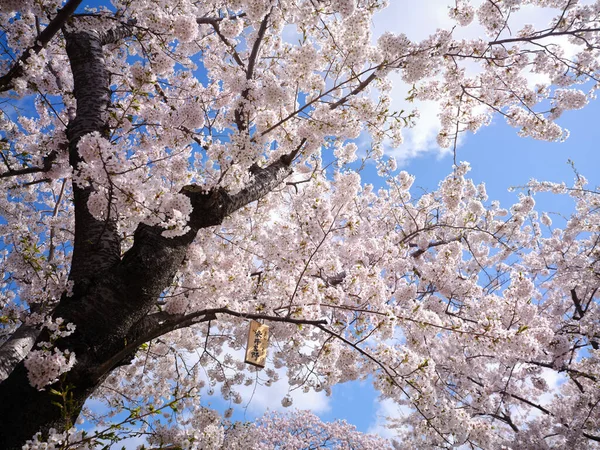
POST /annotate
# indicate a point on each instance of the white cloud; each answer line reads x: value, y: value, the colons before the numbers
x: 387, y: 409
x: 132, y: 443
x: 257, y: 398
x: 291, y: 35
x: 418, y: 20
x: 415, y: 19
x: 555, y: 380
x: 261, y: 398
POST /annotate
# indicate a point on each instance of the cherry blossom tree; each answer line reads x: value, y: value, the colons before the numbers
x: 173, y: 169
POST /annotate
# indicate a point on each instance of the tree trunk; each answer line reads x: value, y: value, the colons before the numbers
x: 112, y: 294
x: 25, y: 410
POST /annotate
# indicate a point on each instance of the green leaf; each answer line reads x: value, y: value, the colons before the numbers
x: 522, y: 328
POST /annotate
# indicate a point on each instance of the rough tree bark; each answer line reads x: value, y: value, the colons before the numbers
x: 113, y: 294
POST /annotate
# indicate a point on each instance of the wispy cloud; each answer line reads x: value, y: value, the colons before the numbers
x: 418, y: 20
x: 257, y: 398
x: 387, y: 409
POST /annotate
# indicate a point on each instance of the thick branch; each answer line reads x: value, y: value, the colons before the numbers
x: 97, y: 245
x: 530, y: 403
x: 27, y: 170
x: 357, y: 90
x: 577, y: 304
x: 214, y: 20
x: 504, y: 418
x: 591, y: 437
x: 256, y: 47
x: 159, y: 324
x: 16, y: 347
x: 47, y: 165
x: 241, y: 118
x: 127, y: 293
x: 265, y: 180
x: 565, y: 369
x: 420, y: 251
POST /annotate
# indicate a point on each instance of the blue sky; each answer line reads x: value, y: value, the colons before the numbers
x: 501, y: 159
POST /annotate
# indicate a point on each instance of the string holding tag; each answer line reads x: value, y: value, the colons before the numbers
x: 256, y: 348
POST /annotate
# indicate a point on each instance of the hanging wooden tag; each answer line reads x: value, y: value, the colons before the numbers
x: 256, y: 349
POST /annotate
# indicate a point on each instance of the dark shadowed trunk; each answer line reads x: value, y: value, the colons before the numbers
x: 113, y: 294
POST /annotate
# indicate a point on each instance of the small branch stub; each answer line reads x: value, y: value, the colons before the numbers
x: 256, y: 349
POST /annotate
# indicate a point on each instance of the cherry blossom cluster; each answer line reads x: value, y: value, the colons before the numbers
x: 45, y: 366
x: 300, y: 429
x: 59, y: 441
